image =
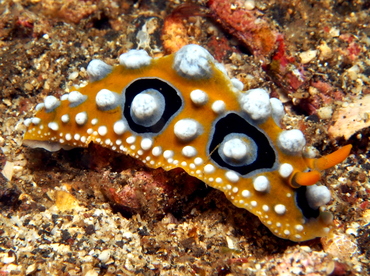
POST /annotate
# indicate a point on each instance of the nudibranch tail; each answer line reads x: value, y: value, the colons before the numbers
x: 183, y: 110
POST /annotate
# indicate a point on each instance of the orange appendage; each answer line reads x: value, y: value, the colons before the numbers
x: 332, y: 159
x: 317, y: 165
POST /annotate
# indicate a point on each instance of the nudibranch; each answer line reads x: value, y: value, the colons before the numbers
x: 182, y: 110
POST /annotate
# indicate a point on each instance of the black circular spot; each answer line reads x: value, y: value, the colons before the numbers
x: 234, y: 123
x: 173, y: 103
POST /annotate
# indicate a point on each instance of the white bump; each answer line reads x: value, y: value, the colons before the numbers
x: 187, y: 130
x: 218, y: 180
x: 167, y: 154
x: 237, y: 149
x: 209, y: 168
x: 135, y: 59
x: 53, y: 126
x: 97, y: 70
x: 147, y: 107
x: 193, y: 62
x: 146, y: 143
x: 265, y: 208
x: 246, y: 193
x: 277, y: 109
x: 189, y: 151
x: 27, y: 122
x: 35, y: 120
x: 64, y: 97
x: 81, y: 118
x: 286, y: 232
x: 76, y: 136
x: 130, y: 140
x: 83, y: 139
x: 285, y: 170
x: 68, y: 137
x: 89, y: 131
x: 254, y: 203
x: 198, y: 97
x: 261, y: 183
x: 118, y: 142
x: 94, y: 121
x: 108, y: 142
x: 228, y: 187
x: 235, y: 189
x: 157, y: 151
x: 51, y: 103
x: 198, y: 161
x: 256, y: 103
x: 298, y: 237
x: 76, y: 98
x: 232, y: 176
x: 278, y: 224
x: 237, y: 84
x: 102, y: 130
x: 65, y: 118
x: 119, y: 127
x: 317, y: 196
x: 291, y: 141
x: 39, y: 106
x: 299, y: 227
x: 280, y: 209
x: 107, y: 100
x: 219, y: 107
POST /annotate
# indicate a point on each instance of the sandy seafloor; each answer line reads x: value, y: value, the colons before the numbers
x: 56, y: 217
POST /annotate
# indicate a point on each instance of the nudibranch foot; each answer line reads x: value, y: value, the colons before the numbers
x: 183, y: 110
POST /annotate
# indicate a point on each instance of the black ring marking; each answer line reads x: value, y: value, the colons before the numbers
x: 173, y: 103
x: 233, y: 123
